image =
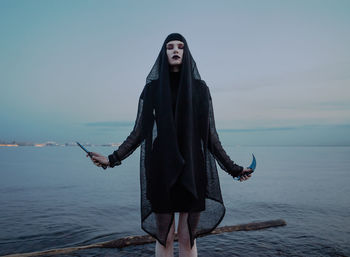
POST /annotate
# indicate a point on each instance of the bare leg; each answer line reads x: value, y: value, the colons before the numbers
x: 167, y: 251
x: 184, y: 238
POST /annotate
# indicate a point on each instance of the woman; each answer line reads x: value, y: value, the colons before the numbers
x: 176, y: 130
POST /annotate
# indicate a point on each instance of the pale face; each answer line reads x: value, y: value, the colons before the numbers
x: 175, y: 50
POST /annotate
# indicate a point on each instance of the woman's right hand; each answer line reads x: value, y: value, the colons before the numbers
x: 98, y: 159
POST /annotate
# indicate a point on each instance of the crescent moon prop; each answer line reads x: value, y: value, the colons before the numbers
x: 251, y: 166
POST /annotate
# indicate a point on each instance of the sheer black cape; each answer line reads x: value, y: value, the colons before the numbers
x: 177, y: 149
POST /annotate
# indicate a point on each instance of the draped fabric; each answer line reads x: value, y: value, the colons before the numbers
x: 179, y: 145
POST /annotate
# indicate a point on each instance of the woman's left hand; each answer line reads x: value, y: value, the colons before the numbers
x: 245, y: 177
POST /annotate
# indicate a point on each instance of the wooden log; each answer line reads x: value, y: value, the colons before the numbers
x: 138, y: 240
x: 145, y: 239
x: 53, y: 251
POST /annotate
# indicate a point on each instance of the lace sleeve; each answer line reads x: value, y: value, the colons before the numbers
x: 216, y: 148
x: 131, y: 143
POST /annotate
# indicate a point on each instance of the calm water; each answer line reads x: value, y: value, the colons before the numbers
x: 55, y: 197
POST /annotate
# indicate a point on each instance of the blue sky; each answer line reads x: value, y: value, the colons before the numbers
x: 278, y: 71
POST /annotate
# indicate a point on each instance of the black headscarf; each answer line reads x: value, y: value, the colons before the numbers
x: 175, y: 149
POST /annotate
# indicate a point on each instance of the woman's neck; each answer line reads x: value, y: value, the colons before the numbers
x: 175, y: 68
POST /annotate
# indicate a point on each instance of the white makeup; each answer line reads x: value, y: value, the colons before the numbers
x: 175, y: 50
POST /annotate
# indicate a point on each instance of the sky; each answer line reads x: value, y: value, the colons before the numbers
x: 278, y: 71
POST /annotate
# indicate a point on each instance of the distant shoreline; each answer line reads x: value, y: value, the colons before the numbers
x: 51, y: 143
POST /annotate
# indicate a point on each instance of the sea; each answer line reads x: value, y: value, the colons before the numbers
x: 54, y: 197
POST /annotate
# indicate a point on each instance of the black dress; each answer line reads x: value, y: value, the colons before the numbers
x: 205, y: 213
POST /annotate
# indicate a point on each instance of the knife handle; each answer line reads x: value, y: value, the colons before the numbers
x: 245, y: 173
x: 103, y: 166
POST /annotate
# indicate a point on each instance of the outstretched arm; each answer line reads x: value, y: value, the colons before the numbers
x: 130, y: 143
x: 216, y: 148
